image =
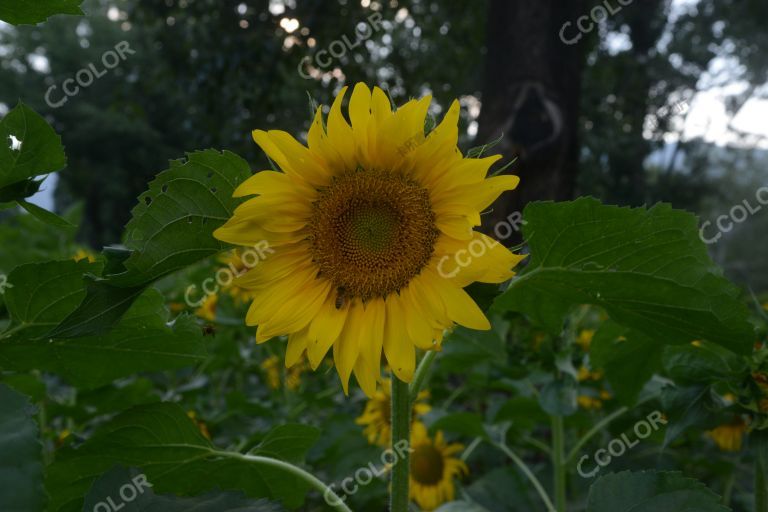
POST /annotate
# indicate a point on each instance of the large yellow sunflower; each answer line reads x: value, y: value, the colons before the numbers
x: 365, y: 226
x: 377, y: 416
x: 433, y: 468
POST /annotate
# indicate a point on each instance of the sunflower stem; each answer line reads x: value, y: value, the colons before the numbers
x: 558, y: 462
x: 421, y: 373
x: 401, y: 436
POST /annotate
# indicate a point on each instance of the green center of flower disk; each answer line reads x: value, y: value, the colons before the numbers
x: 371, y: 233
x: 427, y: 464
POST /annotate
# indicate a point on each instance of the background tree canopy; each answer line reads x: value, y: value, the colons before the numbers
x: 604, y: 364
x: 621, y: 114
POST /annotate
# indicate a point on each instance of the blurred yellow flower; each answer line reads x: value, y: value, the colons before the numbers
x: 584, y: 340
x: 176, y: 307
x: 82, y: 254
x: 433, y: 468
x: 728, y: 437
x: 377, y: 416
x: 201, y: 426
x: 365, y: 225
x: 589, y: 402
x: 584, y: 374
x: 274, y: 371
x: 207, y: 310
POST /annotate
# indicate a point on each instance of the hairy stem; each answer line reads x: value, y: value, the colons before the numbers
x: 401, y: 434
x: 421, y: 373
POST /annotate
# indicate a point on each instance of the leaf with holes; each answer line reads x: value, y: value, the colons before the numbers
x: 45, y: 293
x: 170, y: 229
x: 28, y: 147
x: 162, y: 442
x: 35, y: 11
x: 647, y: 269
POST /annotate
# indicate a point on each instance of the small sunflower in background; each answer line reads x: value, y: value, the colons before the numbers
x: 364, y: 225
x: 82, y: 254
x: 729, y: 437
x: 585, y: 374
x: 207, y: 310
x: 377, y: 416
x: 584, y: 340
x: 590, y: 401
x: 274, y: 372
x: 433, y: 468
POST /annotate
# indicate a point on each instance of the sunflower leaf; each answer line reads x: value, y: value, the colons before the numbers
x: 288, y: 442
x: 163, y: 443
x: 651, y: 491
x: 628, y: 357
x: 691, y: 365
x: 171, y: 228
x: 21, y: 466
x: 30, y: 13
x: 44, y: 293
x: 44, y: 215
x: 647, y: 269
x: 29, y: 147
x: 688, y: 407
x: 134, y: 484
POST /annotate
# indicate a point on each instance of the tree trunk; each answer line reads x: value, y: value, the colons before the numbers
x: 531, y: 95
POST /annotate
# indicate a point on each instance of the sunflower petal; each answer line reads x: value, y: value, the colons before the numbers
x: 346, y: 349
x: 398, y: 348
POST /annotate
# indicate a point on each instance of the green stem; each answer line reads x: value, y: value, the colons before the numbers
x: 421, y: 373
x: 331, y: 498
x: 600, y: 425
x: 558, y: 461
x: 594, y: 430
x: 728, y: 489
x: 761, y: 468
x: 538, y: 444
x: 469, y: 449
x: 529, y: 474
x: 401, y: 435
